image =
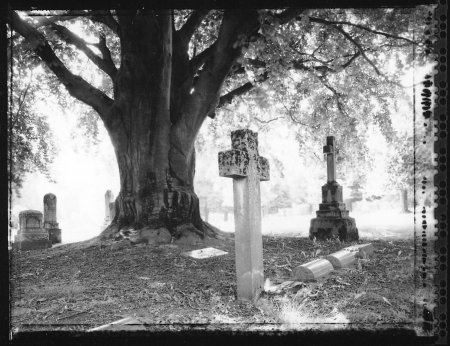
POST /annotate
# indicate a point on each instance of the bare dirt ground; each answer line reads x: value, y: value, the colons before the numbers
x: 81, y: 286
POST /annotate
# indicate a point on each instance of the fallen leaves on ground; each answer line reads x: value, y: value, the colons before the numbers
x: 93, y: 285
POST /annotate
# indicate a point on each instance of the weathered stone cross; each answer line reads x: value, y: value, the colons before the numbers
x: 331, y: 159
x: 332, y: 219
x: 247, y: 168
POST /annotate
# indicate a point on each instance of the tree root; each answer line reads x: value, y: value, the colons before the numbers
x: 110, y: 232
x: 208, y: 232
x: 213, y: 232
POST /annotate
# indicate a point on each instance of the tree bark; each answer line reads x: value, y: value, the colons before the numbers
x: 156, y: 192
x: 161, y: 98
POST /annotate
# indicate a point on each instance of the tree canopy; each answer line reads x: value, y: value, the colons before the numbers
x: 329, y: 71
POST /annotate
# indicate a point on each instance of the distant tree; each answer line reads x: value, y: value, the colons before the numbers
x: 411, y: 162
x: 278, y: 198
x: 30, y: 142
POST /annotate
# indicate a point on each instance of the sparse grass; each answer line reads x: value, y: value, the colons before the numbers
x: 96, y: 285
x: 55, y: 291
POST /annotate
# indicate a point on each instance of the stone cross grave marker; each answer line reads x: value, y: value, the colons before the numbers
x: 50, y: 223
x: 31, y: 235
x: 109, y: 207
x: 247, y: 168
x: 329, y: 151
x: 332, y: 219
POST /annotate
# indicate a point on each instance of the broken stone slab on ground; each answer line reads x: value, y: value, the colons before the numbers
x: 282, y: 287
x: 342, y: 259
x: 313, y: 270
x: 362, y: 250
x: 128, y: 323
x: 347, y: 257
x: 206, y: 252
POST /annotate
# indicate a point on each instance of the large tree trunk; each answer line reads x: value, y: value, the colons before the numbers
x: 161, y: 98
x: 156, y: 185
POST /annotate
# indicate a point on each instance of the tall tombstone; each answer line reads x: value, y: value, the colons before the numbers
x: 50, y: 223
x: 31, y: 234
x: 247, y: 168
x: 332, y: 219
x: 109, y: 207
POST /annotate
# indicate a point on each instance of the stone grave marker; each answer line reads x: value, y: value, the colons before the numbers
x: 31, y: 235
x: 50, y: 222
x: 313, y: 270
x: 332, y: 219
x: 247, y: 168
x: 343, y: 258
x: 110, y: 207
x: 206, y: 252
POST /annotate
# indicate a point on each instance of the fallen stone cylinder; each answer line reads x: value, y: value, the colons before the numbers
x: 313, y: 270
x: 361, y: 250
x: 342, y: 259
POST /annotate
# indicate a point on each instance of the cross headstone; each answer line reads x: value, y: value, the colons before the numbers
x: 247, y: 168
x: 50, y: 223
x: 31, y: 235
x: 332, y: 219
x: 329, y: 151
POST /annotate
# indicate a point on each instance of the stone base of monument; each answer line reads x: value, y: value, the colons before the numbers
x: 36, y: 240
x: 54, y: 235
x: 32, y: 245
x: 323, y: 228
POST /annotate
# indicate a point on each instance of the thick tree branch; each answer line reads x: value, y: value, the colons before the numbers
x: 106, y: 54
x: 336, y: 95
x: 236, y: 28
x: 104, y: 17
x: 75, y: 85
x: 348, y: 37
x: 289, y: 14
x: 197, y: 61
x: 228, y: 97
x: 362, y: 27
x: 193, y: 22
x: 267, y: 121
x: 106, y: 65
x: 298, y: 64
x: 44, y: 21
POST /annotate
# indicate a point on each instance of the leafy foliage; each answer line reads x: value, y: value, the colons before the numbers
x: 327, y: 71
x: 30, y: 143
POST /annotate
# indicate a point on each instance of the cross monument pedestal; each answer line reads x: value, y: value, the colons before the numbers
x: 247, y: 168
x: 332, y: 219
